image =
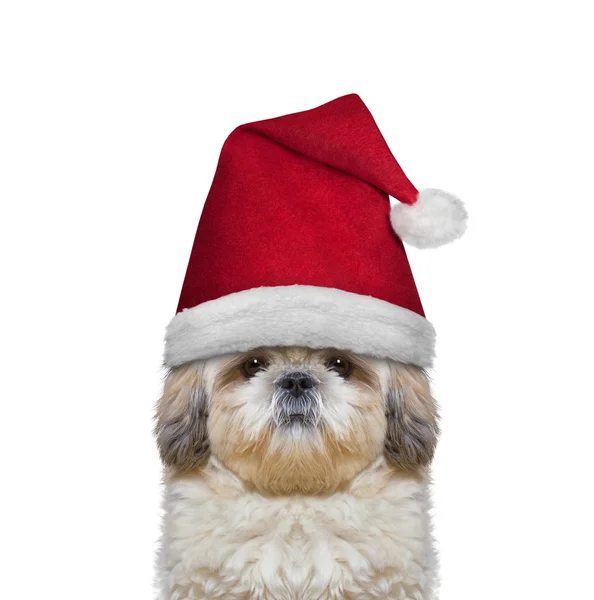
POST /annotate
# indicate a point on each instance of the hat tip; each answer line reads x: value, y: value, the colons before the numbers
x: 435, y: 219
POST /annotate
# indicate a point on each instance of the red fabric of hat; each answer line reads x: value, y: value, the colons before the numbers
x: 297, y: 243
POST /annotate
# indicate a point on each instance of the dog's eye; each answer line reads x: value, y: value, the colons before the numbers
x: 252, y: 366
x: 340, y: 365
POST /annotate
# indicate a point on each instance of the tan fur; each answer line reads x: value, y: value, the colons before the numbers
x: 412, y: 431
x: 415, y: 383
x: 180, y: 423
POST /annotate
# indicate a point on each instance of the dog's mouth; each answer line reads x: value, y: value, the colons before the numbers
x: 303, y: 411
x: 298, y: 419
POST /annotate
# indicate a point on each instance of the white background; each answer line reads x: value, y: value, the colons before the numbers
x: 112, y: 117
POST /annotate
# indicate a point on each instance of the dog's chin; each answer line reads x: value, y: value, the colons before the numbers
x: 299, y: 455
x: 296, y: 427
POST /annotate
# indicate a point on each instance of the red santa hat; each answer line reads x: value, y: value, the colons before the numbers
x: 298, y: 246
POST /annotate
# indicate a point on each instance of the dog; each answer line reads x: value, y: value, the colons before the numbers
x: 296, y: 474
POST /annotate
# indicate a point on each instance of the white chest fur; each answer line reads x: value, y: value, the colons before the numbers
x: 371, y: 540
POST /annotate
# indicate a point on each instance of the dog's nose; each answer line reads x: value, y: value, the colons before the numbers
x: 297, y: 383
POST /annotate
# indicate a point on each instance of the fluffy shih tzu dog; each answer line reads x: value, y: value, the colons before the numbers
x: 296, y: 474
x: 297, y: 424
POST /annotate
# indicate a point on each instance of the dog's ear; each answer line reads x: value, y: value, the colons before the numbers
x: 411, y: 413
x: 181, y: 419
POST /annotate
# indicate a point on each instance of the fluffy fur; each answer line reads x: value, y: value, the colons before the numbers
x: 299, y: 315
x: 329, y: 507
x: 436, y: 218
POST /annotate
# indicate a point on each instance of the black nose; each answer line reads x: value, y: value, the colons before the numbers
x: 297, y: 383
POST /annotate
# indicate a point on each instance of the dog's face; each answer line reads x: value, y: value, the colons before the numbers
x: 294, y: 420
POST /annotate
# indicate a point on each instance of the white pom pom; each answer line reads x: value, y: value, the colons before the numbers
x: 436, y: 218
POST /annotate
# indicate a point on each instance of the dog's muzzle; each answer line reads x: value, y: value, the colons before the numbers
x: 297, y: 400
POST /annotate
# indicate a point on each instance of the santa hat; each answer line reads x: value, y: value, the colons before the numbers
x: 297, y: 244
